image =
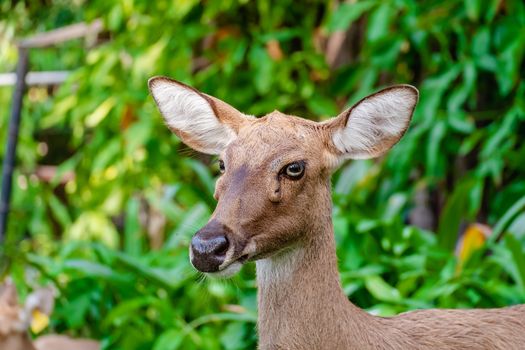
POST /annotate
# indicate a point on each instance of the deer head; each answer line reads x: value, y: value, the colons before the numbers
x: 275, y: 180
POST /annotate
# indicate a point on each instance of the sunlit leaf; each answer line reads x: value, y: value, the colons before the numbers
x: 100, y: 113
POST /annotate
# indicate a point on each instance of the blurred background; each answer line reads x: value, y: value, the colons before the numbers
x: 105, y: 199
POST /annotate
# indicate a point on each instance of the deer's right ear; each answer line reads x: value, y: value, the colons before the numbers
x: 203, y: 122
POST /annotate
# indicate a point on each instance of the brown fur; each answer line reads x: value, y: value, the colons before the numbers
x: 286, y: 227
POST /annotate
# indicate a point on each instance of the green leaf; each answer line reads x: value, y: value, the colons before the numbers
x: 382, y: 290
x: 225, y: 316
x: 434, y: 150
x: 456, y: 209
x: 379, y: 23
x: 203, y: 174
x: 60, y: 211
x: 516, y: 249
x: 193, y: 220
x: 517, y: 227
x: 132, y: 229
x: 473, y: 8
x: 351, y: 176
x: 127, y: 310
x: 506, y: 219
x: 93, y: 269
x: 170, y: 339
x: 263, y: 69
x: 347, y: 13
x: 322, y: 106
x: 167, y: 278
x: 100, y: 113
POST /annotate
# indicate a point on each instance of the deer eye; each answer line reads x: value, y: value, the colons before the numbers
x: 221, y: 166
x: 294, y: 170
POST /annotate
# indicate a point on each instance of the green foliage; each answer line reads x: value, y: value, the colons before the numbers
x: 92, y: 235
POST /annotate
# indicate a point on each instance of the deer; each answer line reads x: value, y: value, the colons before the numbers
x: 274, y: 208
x: 15, y: 320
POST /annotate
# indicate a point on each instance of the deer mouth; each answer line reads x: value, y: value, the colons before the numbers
x: 216, y: 251
x: 230, y: 268
x: 244, y: 258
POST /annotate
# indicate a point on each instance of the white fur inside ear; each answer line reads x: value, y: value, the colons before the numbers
x: 376, y: 123
x: 186, y: 110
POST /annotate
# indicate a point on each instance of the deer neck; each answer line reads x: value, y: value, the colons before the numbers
x: 301, y: 302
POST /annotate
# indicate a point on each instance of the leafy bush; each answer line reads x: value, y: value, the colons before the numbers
x: 114, y: 237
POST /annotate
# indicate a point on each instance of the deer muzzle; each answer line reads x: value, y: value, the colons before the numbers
x: 209, y: 247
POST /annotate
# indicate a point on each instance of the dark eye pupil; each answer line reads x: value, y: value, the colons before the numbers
x: 221, y: 166
x: 295, y: 170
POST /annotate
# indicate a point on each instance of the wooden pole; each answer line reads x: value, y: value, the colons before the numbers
x: 60, y: 35
x: 12, y: 139
x: 47, y: 39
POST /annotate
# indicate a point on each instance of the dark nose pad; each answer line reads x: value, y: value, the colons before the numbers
x: 209, y: 247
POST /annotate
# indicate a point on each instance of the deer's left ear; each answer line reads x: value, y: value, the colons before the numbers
x: 373, y: 125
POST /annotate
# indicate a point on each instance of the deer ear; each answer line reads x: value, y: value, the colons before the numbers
x: 203, y: 122
x: 375, y: 124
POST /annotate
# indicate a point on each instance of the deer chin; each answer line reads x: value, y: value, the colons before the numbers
x: 227, y: 272
x: 233, y: 262
x: 229, y: 268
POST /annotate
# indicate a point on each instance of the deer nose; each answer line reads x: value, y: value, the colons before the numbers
x: 208, y: 248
